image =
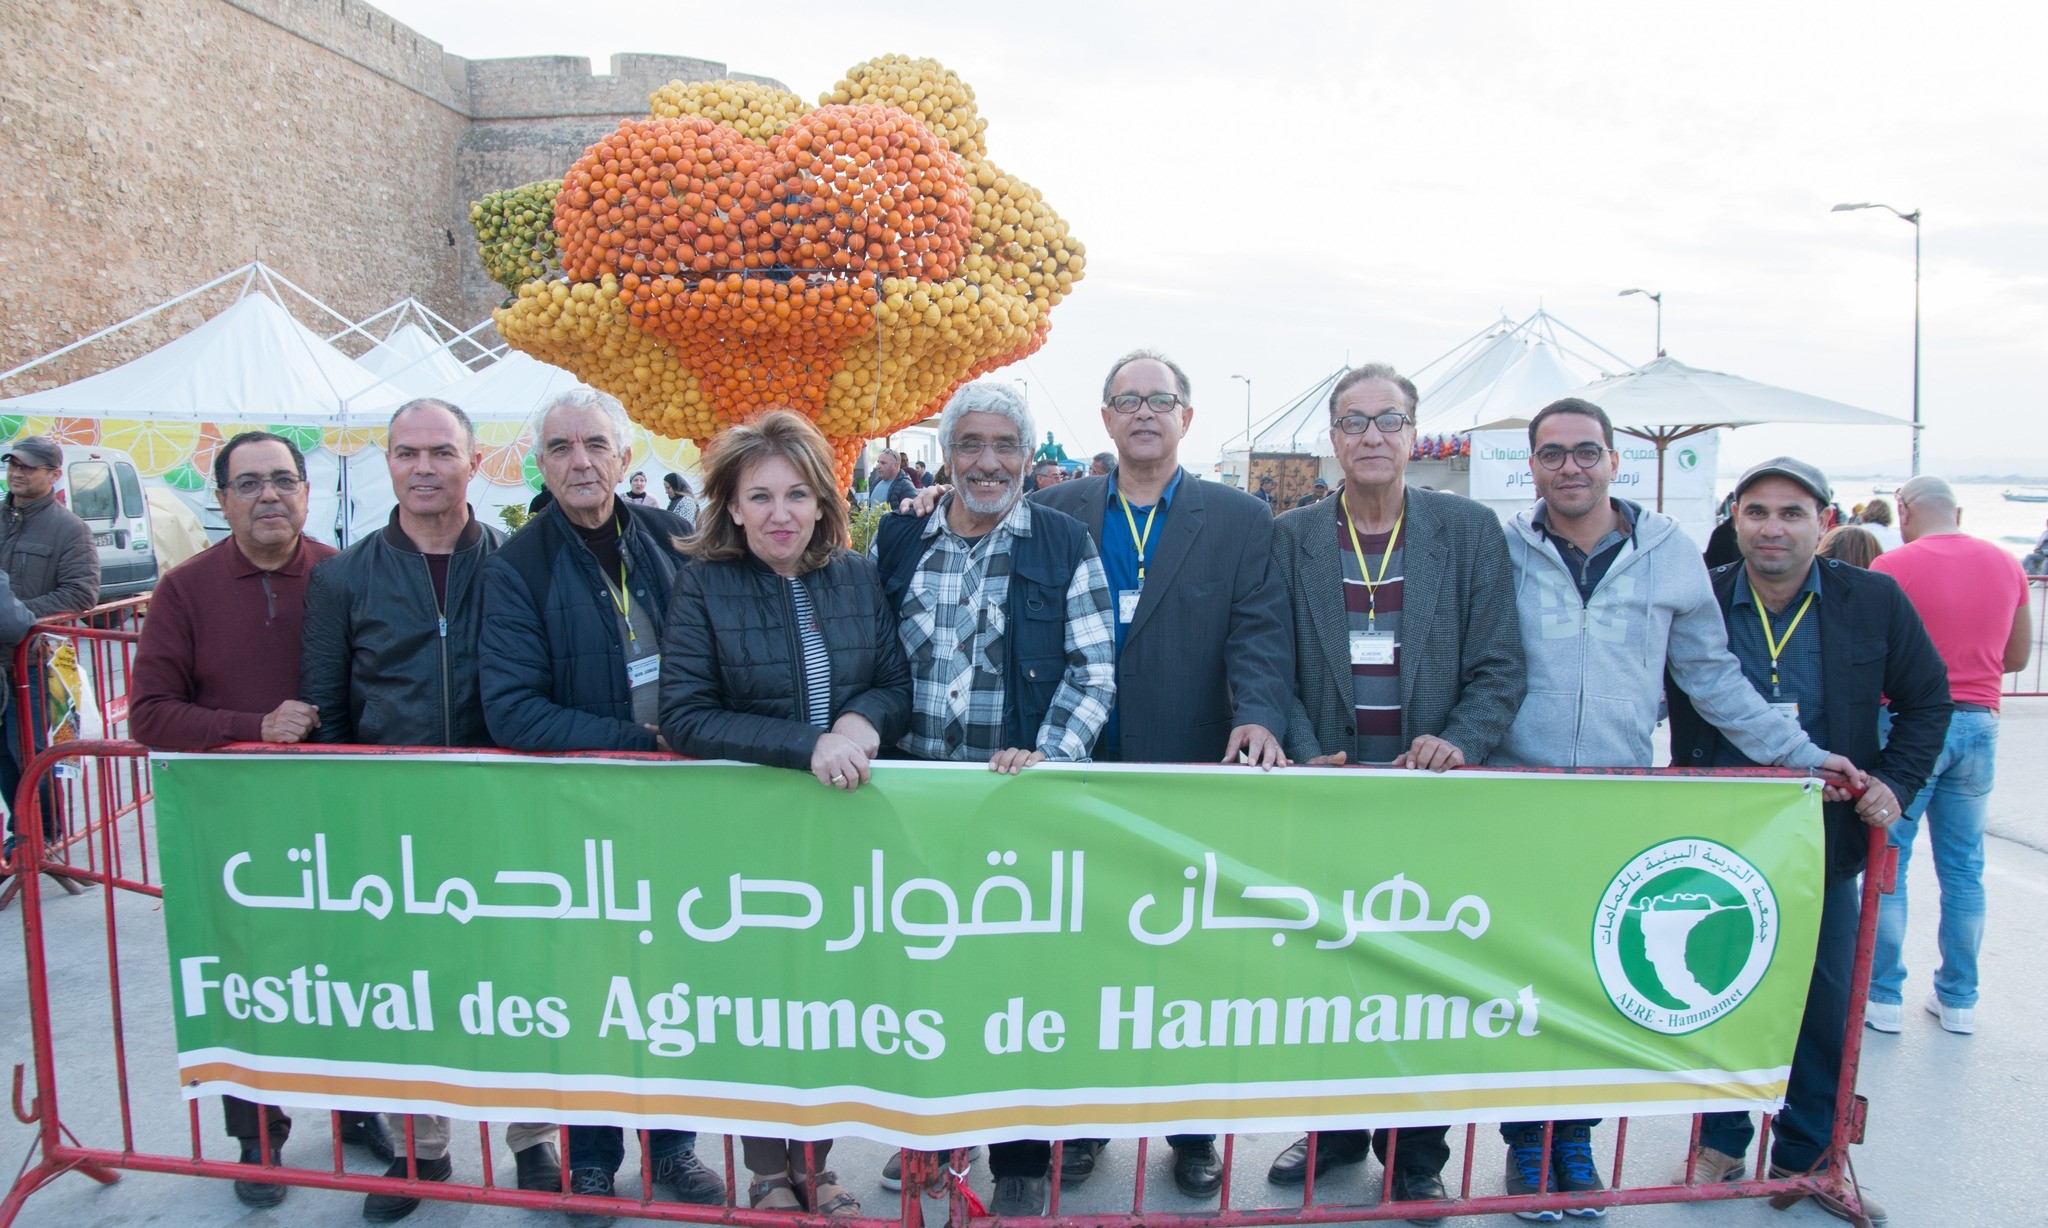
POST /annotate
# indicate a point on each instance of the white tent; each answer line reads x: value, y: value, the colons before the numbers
x: 411, y: 362
x: 511, y: 389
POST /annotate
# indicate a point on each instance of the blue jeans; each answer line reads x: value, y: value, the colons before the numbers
x: 605, y: 1146
x: 1953, y: 803
x: 1805, y: 1129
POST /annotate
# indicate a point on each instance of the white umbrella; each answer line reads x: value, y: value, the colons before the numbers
x: 1664, y: 401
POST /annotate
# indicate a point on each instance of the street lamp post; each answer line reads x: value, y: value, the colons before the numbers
x: 1657, y: 297
x: 1247, y: 431
x: 1914, y: 218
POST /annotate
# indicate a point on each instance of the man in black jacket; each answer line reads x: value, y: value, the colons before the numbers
x: 573, y: 608
x: 888, y: 484
x: 390, y: 659
x: 1831, y: 641
x: 1205, y: 647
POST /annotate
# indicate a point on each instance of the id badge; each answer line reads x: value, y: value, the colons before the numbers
x: 1127, y: 604
x: 643, y: 671
x: 1372, y: 648
x: 1791, y: 709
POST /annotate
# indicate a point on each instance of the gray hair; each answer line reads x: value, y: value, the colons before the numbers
x: 583, y: 398
x: 1180, y: 377
x: 1374, y: 370
x: 1926, y: 489
x: 985, y: 397
x: 452, y: 409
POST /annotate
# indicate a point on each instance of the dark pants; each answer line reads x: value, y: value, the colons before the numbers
x: 11, y: 764
x: 771, y: 1157
x: 605, y: 1146
x: 1803, y: 1131
x: 242, y: 1123
x: 1175, y: 1141
x: 1420, y: 1147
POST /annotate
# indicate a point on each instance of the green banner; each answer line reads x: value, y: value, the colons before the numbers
x: 949, y: 956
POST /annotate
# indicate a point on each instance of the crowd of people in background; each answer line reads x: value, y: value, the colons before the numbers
x: 1175, y: 621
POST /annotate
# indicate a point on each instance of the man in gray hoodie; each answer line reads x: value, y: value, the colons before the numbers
x: 1610, y: 594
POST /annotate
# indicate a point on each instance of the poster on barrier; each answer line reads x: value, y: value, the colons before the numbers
x: 949, y: 956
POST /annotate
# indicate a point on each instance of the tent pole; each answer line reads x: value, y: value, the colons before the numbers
x: 1662, y: 443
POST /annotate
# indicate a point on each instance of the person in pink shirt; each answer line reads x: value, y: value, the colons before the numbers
x: 1973, y: 598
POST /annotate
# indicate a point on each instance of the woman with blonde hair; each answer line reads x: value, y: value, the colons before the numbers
x: 1877, y: 521
x: 781, y: 649
x: 1851, y: 544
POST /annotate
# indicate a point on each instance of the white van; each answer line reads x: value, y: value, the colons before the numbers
x: 102, y: 488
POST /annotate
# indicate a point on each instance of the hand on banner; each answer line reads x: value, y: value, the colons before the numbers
x: 1012, y: 761
x: 290, y: 721
x: 838, y: 763
x: 855, y: 727
x: 922, y: 503
x: 660, y: 742
x: 1254, y: 745
x: 1336, y: 760
x: 1432, y: 754
x: 1858, y: 779
x: 1878, y: 806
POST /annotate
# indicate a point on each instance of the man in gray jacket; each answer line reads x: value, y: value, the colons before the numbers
x: 1609, y: 595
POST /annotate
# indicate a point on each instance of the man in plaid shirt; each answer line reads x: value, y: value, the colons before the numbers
x: 1006, y: 618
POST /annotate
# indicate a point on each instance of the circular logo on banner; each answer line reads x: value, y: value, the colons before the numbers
x: 1683, y: 933
x: 1688, y: 459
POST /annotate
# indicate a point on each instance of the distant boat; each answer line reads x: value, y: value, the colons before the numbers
x: 2023, y: 497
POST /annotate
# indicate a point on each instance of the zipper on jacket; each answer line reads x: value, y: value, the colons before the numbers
x: 441, y: 621
x: 796, y: 659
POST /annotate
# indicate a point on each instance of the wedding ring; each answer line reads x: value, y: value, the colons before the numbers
x: 839, y: 779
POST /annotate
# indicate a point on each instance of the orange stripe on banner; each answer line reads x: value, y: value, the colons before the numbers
x: 907, y: 1122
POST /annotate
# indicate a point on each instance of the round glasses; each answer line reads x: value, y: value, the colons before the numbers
x: 1585, y: 455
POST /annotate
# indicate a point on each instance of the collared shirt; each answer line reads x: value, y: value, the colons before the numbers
x: 1589, y: 568
x: 1121, y: 563
x: 1371, y: 612
x: 952, y: 625
x: 1800, y: 679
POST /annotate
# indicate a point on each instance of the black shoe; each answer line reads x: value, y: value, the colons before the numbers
x: 1077, y: 1160
x: 1290, y: 1167
x: 1417, y: 1185
x: 591, y: 1181
x: 388, y: 1208
x: 260, y: 1193
x: 1019, y: 1196
x: 689, y: 1179
x: 540, y: 1169
x: 366, y: 1130
x: 1198, y: 1171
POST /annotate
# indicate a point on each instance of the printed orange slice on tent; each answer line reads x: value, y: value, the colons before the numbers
x: 157, y: 447
x: 504, y: 445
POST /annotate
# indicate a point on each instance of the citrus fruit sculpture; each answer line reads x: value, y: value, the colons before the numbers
x: 738, y: 251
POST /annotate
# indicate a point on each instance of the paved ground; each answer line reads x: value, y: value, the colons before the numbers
x: 1956, y: 1125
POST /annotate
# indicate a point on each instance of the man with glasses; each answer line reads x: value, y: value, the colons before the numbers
x: 1204, y: 650
x: 219, y: 663
x: 54, y: 567
x: 1406, y: 652
x: 390, y: 658
x: 1007, y: 621
x: 1610, y: 595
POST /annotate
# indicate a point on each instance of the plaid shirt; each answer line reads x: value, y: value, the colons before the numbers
x: 952, y: 625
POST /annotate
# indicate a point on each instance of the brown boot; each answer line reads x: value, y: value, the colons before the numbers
x: 1872, y: 1208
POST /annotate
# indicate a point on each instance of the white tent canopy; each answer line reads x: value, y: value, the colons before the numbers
x: 512, y: 389
x: 1508, y: 368
x: 251, y: 363
x: 411, y: 362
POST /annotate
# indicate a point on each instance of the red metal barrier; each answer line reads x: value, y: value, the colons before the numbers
x: 102, y: 641
x: 114, y: 837
x: 2033, y: 680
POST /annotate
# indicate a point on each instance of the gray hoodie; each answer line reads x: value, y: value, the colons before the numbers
x: 1596, y: 668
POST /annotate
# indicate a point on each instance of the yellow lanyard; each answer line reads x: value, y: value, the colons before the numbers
x: 1137, y: 540
x: 1372, y: 582
x: 1777, y: 646
x: 620, y: 603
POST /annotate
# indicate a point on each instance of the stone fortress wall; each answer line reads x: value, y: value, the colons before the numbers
x: 147, y: 146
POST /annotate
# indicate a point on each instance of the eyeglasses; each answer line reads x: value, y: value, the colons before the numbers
x: 26, y: 467
x: 1390, y: 422
x: 1007, y: 449
x: 249, y: 486
x: 1130, y: 402
x: 1586, y: 455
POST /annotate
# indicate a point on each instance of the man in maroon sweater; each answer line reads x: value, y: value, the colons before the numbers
x: 219, y: 663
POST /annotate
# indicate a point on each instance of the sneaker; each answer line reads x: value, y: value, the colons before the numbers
x: 389, y: 1208
x: 1710, y: 1167
x: 1961, y: 1020
x: 1881, y: 1017
x: 1077, y: 1160
x: 1016, y: 1196
x: 1525, y: 1170
x: 1872, y: 1208
x: 260, y: 1194
x: 686, y: 1178
x: 892, y: 1171
x: 595, y: 1182
x: 1572, y: 1170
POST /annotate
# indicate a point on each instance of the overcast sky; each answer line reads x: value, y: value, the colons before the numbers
x: 1269, y: 189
